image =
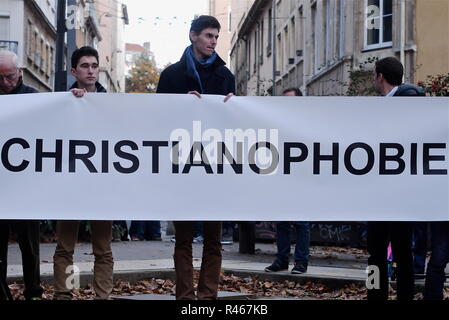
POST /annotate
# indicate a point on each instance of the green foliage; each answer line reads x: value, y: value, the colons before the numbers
x: 361, y: 79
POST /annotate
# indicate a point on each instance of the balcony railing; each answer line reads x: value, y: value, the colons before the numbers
x: 9, y: 45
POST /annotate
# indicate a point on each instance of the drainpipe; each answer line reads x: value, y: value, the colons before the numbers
x: 273, y: 46
x: 402, y: 45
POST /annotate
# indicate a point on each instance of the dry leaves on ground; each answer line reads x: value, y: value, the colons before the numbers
x: 249, y: 285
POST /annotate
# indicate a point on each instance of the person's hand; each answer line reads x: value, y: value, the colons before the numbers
x: 229, y: 96
x: 79, y: 93
x: 196, y: 93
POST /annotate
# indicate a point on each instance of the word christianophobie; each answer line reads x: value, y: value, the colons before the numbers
x: 260, y: 157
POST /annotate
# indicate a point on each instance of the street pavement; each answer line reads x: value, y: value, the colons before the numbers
x: 138, y: 260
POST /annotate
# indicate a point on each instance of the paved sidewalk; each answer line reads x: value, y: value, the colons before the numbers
x: 153, y: 259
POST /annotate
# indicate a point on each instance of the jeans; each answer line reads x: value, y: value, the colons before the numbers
x: 284, y: 242
x: 435, y: 276
x: 419, y: 246
x: 227, y: 229
x: 198, y: 229
x: 145, y: 229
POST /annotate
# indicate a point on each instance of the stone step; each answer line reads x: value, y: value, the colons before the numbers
x: 222, y: 295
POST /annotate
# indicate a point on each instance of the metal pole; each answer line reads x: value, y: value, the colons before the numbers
x: 60, y: 73
x: 71, y: 41
x: 402, y: 45
x: 273, y: 46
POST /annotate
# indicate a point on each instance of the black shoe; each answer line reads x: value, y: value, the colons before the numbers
x: 299, y: 268
x: 275, y: 267
x: 154, y: 238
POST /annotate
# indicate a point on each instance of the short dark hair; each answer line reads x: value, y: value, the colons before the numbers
x: 83, y: 52
x: 204, y: 22
x: 392, y: 70
x: 295, y: 90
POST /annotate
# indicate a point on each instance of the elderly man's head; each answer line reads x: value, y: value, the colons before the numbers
x: 9, y: 71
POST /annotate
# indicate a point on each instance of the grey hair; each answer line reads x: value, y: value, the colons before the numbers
x: 6, y: 54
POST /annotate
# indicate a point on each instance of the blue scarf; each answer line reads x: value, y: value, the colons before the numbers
x: 191, y: 65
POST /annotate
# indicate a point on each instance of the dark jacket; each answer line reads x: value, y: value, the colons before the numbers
x: 22, y: 88
x: 217, y: 80
x: 407, y: 89
x: 99, y: 87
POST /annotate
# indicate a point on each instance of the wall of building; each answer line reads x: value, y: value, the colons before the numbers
x: 318, y: 42
x: 39, y: 49
x: 49, y: 9
x: 221, y: 9
x: 111, y: 46
x: 432, y: 38
x: 12, y: 13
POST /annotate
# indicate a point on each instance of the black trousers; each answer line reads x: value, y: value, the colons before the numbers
x: 28, y: 238
x: 400, y: 234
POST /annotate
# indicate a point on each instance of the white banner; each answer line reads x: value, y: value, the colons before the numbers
x: 167, y: 157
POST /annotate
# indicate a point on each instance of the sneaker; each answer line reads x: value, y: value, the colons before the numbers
x: 173, y: 240
x: 299, y: 268
x: 227, y: 239
x: 275, y: 267
x: 198, y: 239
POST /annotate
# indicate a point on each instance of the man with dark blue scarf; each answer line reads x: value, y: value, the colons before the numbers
x: 200, y: 71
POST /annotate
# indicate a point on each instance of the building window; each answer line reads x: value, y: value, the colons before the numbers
x: 378, y: 23
x: 29, y: 49
x: 4, y: 28
x: 342, y: 31
x: 248, y: 54
x: 314, y: 38
x: 229, y: 19
x: 34, y: 46
x: 262, y: 25
x: 279, y: 54
x: 256, y: 44
x: 270, y: 32
x: 300, y: 32
x: 293, y: 46
x: 42, y: 53
x: 324, y: 43
x: 286, y: 49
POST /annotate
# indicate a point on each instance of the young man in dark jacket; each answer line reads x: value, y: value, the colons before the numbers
x: 27, y: 230
x: 200, y: 71
x: 85, y: 68
x: 388, y: 82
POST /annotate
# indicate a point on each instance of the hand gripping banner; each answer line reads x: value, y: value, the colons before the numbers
x: 177, y: 157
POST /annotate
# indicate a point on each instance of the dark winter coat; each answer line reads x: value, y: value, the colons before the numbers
x: 99, y: 87
x: 217, y: 79
x: 22, y: 88
x: 407, y: 89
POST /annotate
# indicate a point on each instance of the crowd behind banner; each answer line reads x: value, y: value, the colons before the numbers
x: 201, y: 71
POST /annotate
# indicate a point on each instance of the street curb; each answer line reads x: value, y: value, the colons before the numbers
x: 333, y: 283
